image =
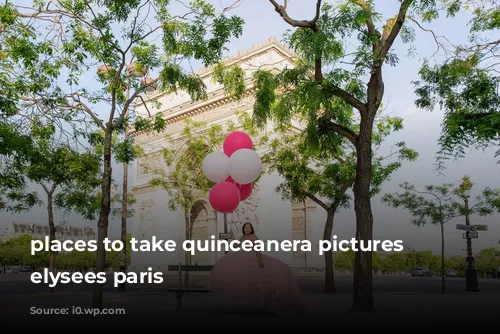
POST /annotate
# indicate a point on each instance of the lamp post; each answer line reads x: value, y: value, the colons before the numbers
x: 471, y: 281
x: 225, y: 228
x: 189, y: 236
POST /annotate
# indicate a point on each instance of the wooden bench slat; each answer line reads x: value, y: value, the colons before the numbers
x: 190, y: 268
x: 189, y: 289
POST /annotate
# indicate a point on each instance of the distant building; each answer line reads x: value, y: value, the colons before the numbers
x: 39, y: 231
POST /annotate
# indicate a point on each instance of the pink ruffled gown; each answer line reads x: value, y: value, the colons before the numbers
x: 238, y: 278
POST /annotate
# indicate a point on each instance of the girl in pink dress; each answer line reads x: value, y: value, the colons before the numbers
x: 251, y: 279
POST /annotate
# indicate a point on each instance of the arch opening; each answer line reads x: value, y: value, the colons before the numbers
x: 203, y: 226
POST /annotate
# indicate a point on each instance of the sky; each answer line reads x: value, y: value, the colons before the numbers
x: 421, y: 131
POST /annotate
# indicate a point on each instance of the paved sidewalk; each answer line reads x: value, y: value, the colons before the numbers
x: 202, y: 310
x: 401, y: 302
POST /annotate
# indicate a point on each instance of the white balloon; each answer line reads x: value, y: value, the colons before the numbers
x: 216, y: 166
x: 245, y: 166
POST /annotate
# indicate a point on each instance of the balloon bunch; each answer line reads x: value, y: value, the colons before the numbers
x: 234, y: 171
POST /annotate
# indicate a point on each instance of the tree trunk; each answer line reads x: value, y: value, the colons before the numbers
x: 52, y: 236
x: 329, y: 272
x: 123, y: 254
x: 443, y: 286
x: 363, y: 275
x: 187, y: 255
x: 102, y: 224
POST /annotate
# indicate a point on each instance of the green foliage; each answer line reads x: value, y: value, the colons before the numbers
x: 327, y: 174
x: 344, y: 260
x: 80, y: 37
x: 397, y: 263
x: 469, y: 96
x: 233, y: 79
x: 325, y: 86
x: 182, y: 177
x: 16, y: 148
x: 67, y: 176
x: 130, y: 57
x: 335, y: 90
x: 325, y: 171
x: 75, y: 261
x: 91, y: 39
x: 117, y: 200
x: 457, y: 263
x: 488, y: 261
x: 465, y: 84
x: 123, y: 151
x: 24, y: 66
x: 438, y: 204
x: 180, y: 172
x: 17, y: 252
x: 113, y: 258
x: 425, y: 259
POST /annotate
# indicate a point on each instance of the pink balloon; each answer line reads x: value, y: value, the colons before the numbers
x: 224, y: 197
x: 235, y: 141
x: 245, y: 191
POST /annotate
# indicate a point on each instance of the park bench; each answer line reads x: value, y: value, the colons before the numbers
x: 180, y: 290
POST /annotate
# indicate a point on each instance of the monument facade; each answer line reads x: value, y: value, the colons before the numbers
x: 272, y: 217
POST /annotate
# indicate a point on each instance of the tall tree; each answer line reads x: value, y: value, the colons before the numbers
x: 16, y: 148
x: 329, y: 74
x: 17, y: 252
x: 78, y: 34
x: 180, y: 173
x: 325, y: 174
x: 464, y: 81
x: 439, y: 204
x: 488, y: 262
x: 62, y: 172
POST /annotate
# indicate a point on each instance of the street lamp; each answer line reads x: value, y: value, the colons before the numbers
x: 133, y: 69
x: 104, y: 69
x: 471, y: 281
x: 150, y: 85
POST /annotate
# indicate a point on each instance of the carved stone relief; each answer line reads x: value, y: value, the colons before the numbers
x: 149, y: 164
x: 220, y: 110
x: 200, y: 233
x: 298, y: 224
x: 298, y: 230
x: 147, y: 218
